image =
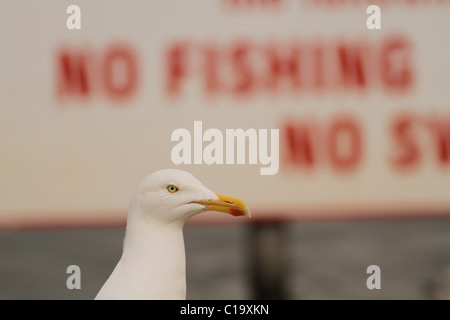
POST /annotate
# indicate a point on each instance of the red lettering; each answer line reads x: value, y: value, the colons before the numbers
x: 249, y: 68
x: 241, y: 66
x: 81, y: 74
x: 344, y: 143
x: 396, y: 70
x: 299, y: 144
x: 352, y: 68
x: 251, y: 3
x: 407, y: 151
x: 338, y: 142
x: 176, y: 67
x: 212, y: 80
x: 318, y: 66
x: 120, y: 72
x: 287, y: 66
x: 441, y: 134
x: 73, y: 74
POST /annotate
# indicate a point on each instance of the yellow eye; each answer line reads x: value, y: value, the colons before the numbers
x: 172, y: 189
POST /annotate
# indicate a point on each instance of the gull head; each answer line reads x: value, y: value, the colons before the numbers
x: 172, y: 195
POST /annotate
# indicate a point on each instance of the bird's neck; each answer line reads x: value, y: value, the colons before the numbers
x: 154, y: 254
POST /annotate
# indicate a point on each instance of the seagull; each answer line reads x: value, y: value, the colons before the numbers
x: 153, y: 262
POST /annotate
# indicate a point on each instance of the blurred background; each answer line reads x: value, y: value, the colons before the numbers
x: 90, y: 96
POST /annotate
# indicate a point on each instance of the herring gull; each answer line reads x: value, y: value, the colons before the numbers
x: 153, y: 263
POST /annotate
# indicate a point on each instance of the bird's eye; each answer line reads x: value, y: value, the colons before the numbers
x: 172, y: 189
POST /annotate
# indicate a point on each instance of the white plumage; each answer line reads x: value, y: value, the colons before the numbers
x: 153, y: 264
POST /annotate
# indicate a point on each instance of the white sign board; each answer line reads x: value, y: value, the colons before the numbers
x: 362, y: 115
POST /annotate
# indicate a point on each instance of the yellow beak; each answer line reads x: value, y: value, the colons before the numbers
x: 228, y: 205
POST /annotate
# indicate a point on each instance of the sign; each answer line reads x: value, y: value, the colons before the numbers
x: 295, y: 107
